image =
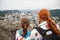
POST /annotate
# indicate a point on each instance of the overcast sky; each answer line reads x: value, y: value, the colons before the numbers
x: 29, y: 4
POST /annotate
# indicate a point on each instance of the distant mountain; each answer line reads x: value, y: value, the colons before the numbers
x: 55, y: 12
x: 2, y: 13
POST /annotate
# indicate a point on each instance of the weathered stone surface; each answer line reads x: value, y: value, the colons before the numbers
x: 8, y: 30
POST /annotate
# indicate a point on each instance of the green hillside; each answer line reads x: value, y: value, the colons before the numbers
x: 55, y: 12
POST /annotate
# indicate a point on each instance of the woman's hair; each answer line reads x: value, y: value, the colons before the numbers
x: 24, y: 25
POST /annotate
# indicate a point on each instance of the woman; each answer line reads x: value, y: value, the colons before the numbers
x: 47, y: 29
x: 23, y: 33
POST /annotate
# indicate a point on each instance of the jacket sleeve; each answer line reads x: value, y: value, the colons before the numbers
x: 35, y: 35
x: 17, y: 35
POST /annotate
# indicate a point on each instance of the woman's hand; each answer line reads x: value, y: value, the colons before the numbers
x: 53, y: 26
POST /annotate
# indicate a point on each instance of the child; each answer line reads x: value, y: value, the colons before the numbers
x: 23, y: 34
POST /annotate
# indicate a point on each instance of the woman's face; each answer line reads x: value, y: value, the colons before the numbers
x: 43, y: 18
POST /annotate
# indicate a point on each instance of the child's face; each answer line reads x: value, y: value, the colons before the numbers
x: 25, y: 25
